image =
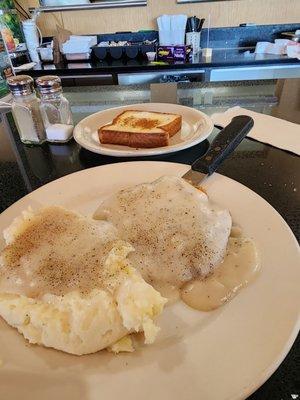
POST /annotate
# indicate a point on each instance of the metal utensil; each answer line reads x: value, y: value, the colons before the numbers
x: 192, y: 24
x: 196, y: 22
x: 202, y: 20
x: 223, y: 145
x: 292, y: 36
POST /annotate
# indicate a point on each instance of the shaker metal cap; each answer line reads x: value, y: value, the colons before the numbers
x: 20, y: 85
x: 48, y: 84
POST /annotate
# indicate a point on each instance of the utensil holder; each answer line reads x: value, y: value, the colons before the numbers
x: 193, y: 39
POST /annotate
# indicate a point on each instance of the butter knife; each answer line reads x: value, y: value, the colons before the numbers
x: 224, y: 144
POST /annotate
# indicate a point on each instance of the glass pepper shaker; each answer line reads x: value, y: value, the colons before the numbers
x: 55, y: 109
x: 26, y: 110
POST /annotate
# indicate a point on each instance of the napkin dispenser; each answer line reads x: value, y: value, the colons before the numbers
x: 171, y: 29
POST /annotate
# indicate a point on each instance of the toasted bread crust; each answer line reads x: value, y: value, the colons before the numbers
x: 132, y: 139
x: 173, y: 127
x: 140, y: 139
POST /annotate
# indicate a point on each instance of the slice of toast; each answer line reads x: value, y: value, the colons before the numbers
x: 135, y: 128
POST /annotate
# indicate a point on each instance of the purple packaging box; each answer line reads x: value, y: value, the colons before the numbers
x: 174, y: 53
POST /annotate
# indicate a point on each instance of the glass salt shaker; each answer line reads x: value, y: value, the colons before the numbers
x: 26, y: 110
x: 55, y: 109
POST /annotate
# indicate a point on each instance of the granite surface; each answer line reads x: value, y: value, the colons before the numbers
x: 272, y: 173
x: 245, y: 36
x: 223, y: 37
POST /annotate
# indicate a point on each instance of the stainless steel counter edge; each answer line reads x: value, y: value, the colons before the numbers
x: 212, y: 74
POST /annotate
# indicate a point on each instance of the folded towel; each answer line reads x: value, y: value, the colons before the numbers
x: 269, y: 48
x: 293, y: 50
x: 280, y: 47
x: 274, y: 131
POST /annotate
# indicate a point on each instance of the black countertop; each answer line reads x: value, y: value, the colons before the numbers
x: 272, y: 173
x: 220, y: 58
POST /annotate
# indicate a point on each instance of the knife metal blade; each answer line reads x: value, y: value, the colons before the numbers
x: 224, y: 144
x: 194, y: 177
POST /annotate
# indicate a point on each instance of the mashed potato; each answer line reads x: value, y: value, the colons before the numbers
x: 76, y: 304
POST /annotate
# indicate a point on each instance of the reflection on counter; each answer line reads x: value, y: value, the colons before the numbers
x: 49, y: 67
x: 78, y: 65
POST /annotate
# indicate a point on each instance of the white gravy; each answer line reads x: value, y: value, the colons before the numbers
x: 239, y: 267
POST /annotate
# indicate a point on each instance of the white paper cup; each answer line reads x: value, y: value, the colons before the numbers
x: 151, y: 55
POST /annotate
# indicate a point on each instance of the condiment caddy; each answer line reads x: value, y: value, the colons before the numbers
x: 47, y: 118
x: 193, y: 33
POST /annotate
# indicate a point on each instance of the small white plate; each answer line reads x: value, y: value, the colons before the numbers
x: 221, y: 355
x: 196, y: 127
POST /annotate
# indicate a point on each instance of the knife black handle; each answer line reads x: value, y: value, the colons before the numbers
x: 224, y: 144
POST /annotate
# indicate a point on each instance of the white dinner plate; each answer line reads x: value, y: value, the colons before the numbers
x: 196, y: 127
x: 220, y: 355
